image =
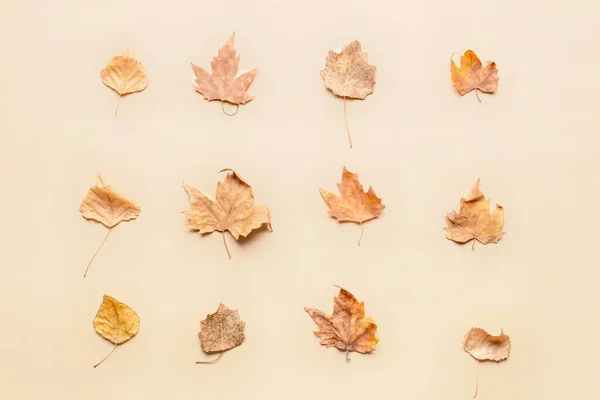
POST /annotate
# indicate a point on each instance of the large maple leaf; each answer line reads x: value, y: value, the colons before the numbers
x: 231, y: 211
x: 347, y: 328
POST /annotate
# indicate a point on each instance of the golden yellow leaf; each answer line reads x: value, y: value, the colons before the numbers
x: 483, y: 346
x: 472, y: 75
x: 347, y: 328
x: 104, y: 204
x: 221, y: 331
x: 349, y: 75
x: 231, y: 211
x: 224, y: 84
x: 354, y: 204
x: 115, y: 322
x: 474, y: 221
x: 124, y: 74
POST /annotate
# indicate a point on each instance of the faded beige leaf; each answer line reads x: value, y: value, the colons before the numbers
x: 115, y: 322
x: 221, y: 331
x: 347, y: 328
x: 474, y: 220
x: 104, y: 204
x: 124, y: 74
x: 349, y: 75
x: 231, y: 211
x: 472, y: 75
x: 224, y: 84
x: 354, y: 204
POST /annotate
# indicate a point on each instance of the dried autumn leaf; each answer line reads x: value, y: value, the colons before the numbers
x: 104, y: 204
x: 231, y: 211
x: 354, y: 204
x: 472, y: 75
x: 349, y: 75
x: 221, y: 331
x: 124, y: 74
x: 115, y: 322
x: 474, y: 221
x: 347, y: 328
x: 483, y: 346
x: 222, y: 84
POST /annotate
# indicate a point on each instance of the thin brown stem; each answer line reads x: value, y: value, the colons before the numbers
x: 100, y: 362
x: 473, y: 246
x: 118, y: 102
x: 226, y: 248
x: 225, y: 112
x: 346, y: 118
x: 477, y: 379
x: 96, y: 253
x: 477, y: 94
x: 211, y: 361
x: 362, y: 230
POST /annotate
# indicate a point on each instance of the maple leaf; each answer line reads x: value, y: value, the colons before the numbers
x: 474, y: 221
x: 231, y: 211
x: 124, y: 74
x: 483, y: 346
x: 115, y: 322
x: 354, y: 204
x: 221, y: 331
x: 349, y: 75
x: 347, y: 328
x: 472, y: 75
x: 104, y: 204
x: 222, y: 84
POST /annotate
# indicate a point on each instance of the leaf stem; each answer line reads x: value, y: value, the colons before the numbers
x: 473, y: 246
x: 347, y: 128
x: 226, y: 248
x: 101, y: 244
x: 362, y: 230
x: 100, y: 362
x: 477, y: 379
x: 477, y: 94
x: 118, y: 102
x: 347, y: 355
x: 211, y: 361
x: 225, y: 112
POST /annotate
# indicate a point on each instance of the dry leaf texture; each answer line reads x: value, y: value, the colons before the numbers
x: 348, y: 74
x: 473, y: 75
x: 474, y: 221
x: 347, y: 328
x: 222, y: 330
x: 223, y: 84
x: 125, y: 74
x: 354, y: 204
x: 115, y: 321
x: 232, y: 209
x: 104, y: 204
x: 484, y: 346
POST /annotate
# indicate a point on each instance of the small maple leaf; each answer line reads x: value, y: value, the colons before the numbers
x: 483, y: 346
x: 354, y: 204
x: 124, y: 74
x: 104, y: 204
x: 347, y: 328
x: 115, y: 322
x: 474, y: 221
x: 472, y: 75
x: 221, y: 331
x: 231, y: 211
x: 349, y: 75
x: 223, y: 84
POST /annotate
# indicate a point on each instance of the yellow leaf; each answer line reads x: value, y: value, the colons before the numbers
x: 124, y: 74
x: 472, y: 75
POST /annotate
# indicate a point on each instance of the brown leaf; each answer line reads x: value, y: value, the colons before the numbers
x: 347, y: 328
x: 115, y: 322
x: 472, y: 75
x: 221, y: 331
x: 232, y: 210
x: 354, y: 204
x: 474, y: 220
x: 223, y: 84
x: 124, y: 74
x: 104, y: 204
x: 349, y: 75
x: 484, y: 346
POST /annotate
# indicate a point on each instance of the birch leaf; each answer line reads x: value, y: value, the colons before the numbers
x: 124, y: 74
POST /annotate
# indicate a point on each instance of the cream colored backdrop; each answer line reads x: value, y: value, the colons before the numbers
x: 419, y: 144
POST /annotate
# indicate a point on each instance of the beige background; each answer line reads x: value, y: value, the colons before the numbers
x: 417, y: 142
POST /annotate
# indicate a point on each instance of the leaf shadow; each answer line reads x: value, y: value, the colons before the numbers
x: 254, y: 235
